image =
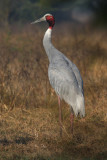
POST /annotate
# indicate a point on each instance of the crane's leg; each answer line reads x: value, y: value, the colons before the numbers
x: 60, y: 116
x: 72, y: 120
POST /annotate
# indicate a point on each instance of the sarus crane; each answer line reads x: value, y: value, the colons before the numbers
x: 63, y: 75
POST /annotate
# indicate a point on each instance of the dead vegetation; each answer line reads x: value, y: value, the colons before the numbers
x: 29, y: 127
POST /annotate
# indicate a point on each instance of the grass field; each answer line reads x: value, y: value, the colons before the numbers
x: 29, y: 127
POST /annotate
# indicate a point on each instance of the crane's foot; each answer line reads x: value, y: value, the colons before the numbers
x: 72, y: 122
x: 60, y: 131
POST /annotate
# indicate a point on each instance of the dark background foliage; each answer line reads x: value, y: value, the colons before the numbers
x: 12, y: 11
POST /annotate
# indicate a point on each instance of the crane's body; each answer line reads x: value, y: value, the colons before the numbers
x: 64, y: 76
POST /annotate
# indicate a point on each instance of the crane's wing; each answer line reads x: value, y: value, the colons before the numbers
x: 64, y: 81
x: 61, y: 79
x: 77, y: 73
x: 58, y: 57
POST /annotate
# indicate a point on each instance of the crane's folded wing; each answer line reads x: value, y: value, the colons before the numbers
x: 77, y: 73
x: 67, y: 88
x: 63, y: 81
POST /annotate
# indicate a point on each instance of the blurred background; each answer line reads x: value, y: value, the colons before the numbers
x: 29, y: 126
x: 80, y: 11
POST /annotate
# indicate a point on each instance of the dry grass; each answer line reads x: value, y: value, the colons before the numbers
x: 29, y: 127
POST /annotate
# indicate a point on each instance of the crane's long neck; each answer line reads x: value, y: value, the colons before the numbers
x: 47, y: 42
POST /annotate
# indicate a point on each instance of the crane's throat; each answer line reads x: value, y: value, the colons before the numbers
x: 51, y: 23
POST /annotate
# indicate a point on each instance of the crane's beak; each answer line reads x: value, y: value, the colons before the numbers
x: 39, y: 20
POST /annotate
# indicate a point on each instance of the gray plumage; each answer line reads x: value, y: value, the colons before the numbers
x: 64, y: 77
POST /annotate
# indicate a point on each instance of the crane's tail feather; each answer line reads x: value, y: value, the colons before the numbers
x: 79, y: 107
x: 77, y: 104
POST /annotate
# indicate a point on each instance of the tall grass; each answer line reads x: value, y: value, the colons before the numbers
x: 28, y: 104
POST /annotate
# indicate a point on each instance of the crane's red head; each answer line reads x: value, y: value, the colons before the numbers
x: 50, y: 19
x: 47, y: 17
